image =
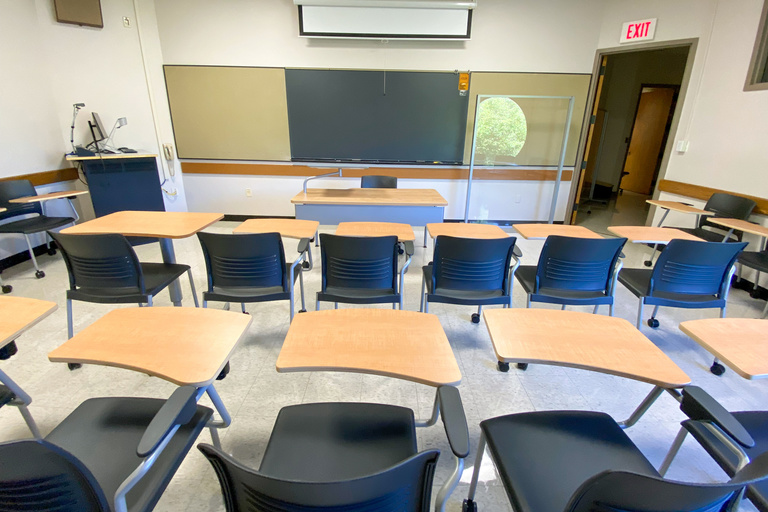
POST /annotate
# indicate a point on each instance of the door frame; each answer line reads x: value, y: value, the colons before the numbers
x: 692, y: 44
x: 667, y: 127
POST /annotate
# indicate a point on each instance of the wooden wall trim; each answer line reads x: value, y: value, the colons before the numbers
x: 456, y: 173
x: 704, y: 193
x: 46, y: 177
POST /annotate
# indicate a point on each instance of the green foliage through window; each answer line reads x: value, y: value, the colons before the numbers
x: 501, y: 129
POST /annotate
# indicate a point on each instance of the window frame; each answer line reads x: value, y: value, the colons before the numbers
x: 758, y: 65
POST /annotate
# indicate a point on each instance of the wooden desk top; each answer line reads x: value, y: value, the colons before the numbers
x: 49, y: 196
x: 153, y: 224
x: 462, y: 230
x: 18, y: 314
x: 403, y: 232
x: 186, y: 346
x: 741, y: 225
x: 741, y: 343
x: 678, y: 207
x: 108, y: 156
x: 542, y: 231
x: 371, y: 196
x: 580, y: 340
x: 401, y: 344
x: 651, y: 234
x: 289, y: 228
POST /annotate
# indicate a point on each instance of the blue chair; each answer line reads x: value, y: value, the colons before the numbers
x: 688, y: 274
x: 470, y: 272
x: 574, y: 271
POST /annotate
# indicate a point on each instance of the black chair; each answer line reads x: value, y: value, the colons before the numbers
x: 470, y: 272
x: 731, y: 439
x: 579, y: 461
x: 726, y: 206
x: 40, y: 223
x: 361, y: 270
x: 250, y: 268
x: 574, y: 271
x: 104, y: 269
x: 757, y: 260
x: 688, y: 274
x: 110, y: 454
x: 344, y: 456
x: 378, y: 182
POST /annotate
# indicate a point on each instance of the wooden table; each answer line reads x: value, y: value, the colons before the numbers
x: 651, y: 234
x: 289, y: 228
x: 676, y: 206
x: 741, y: 343
x: 542, y: 231
x: 582, y: 340
x: 17, y: 314
x: 163, y: 225
x: 186, y: 346
x: 402, y: 344
x: 466, y: 230
x: 42, y: 198
x: 740, y: 225
x: 403, y: 232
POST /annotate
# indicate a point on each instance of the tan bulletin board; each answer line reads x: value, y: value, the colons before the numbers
x: 545, y: 118
x: 229, y: 113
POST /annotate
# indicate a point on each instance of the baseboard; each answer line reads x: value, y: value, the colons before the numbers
x: 21, y: 257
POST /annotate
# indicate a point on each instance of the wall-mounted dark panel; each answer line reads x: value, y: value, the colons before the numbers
x: 375, y: 116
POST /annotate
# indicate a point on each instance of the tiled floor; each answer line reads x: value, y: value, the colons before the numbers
x: 254, y: 391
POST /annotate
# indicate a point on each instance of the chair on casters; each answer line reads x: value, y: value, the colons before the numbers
x: 39, y: 224
x: 726, y: 206
x: 109, y: 454
x: 688, y: 274
x: 603, y: 469
x: 250, y: 268
x: 104, y: 269
x: 378, y: 182
x: 344, y: 456
x: 731, y: 439
x: 361, y: 270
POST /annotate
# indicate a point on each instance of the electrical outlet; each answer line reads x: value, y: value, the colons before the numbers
x: 126, y: 22
x: 248, y: 192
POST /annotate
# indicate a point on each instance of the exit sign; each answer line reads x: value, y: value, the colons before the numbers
x: 642, y: 30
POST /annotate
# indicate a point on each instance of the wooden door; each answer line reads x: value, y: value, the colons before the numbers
x: 647, y: 139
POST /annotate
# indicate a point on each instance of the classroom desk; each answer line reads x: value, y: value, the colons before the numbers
x: 403, y: 232
x: 542, y: 231
x: 676, y: 206
x: 741, y: 343
x: 17, y: 314
x: 740, y: 225
x: 651, y: 234
x: 289, y: 228
x: 185, y: 346
x: 466, y: 230
x: 162, y: 225
x: 64, y: 194
x: 583, y: 340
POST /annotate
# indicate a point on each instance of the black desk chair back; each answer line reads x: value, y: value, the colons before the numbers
x: 40, y: 223
x: 757, y: 260
x: 604, y: 470
x: 725, y: 206
x: 688, y: 274
x: 574, y: 271
x: 378, y: 182
x: 104, y: 269
x: 469, y: 271
x: 360, y: 270
x: 109, y: 454
x: 249, y: 268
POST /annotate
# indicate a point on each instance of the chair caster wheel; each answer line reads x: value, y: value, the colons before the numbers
x: 717, y: 369
x: 39, y: 274
x: 522, y: 366
x: 51, y: 251
x: 653, y: 323
x: 503, y: 367
x: 305, y: 264
x: 74, y: 366
x: 224, y: 372
x: 302, y: 311
x: 648, y: 263
x: 475, y: 318
x: 755, y: 294
x: 7, y: 351
x: 7, y: 288
x: 469, y: 506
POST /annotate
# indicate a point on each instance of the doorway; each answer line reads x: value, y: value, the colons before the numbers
x: 636, y: 99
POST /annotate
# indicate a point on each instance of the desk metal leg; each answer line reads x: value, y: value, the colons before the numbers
x: 644, y: 405
x: 649, y: 263
x: 220, y: 408
x: 169, y: 256
x: 425, y: 237
x: 21, y: 400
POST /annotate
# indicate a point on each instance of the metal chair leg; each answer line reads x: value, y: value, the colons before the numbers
x: 423, y: 296
x: 301, y: 290
x: 676, y: 444
x: 476, y: 469
x: 242, y: 307
x: 32, y: 254
x: 594, y: 311
x: 70, y: 326
x: 640, y: 314
x: 192, y: 287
